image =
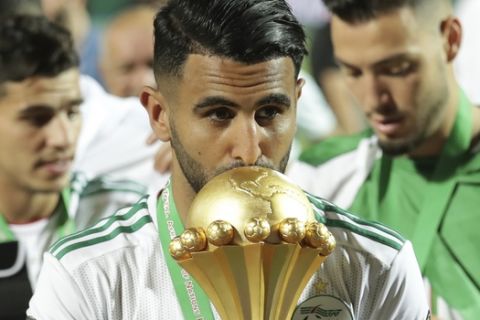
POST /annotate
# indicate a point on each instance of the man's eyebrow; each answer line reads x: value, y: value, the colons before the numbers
x: 340, y: 62
x: 274, y: 99
x: 35, y: 108
x: 214, y: 101
x: 75, y: 102
x: 392, y: 59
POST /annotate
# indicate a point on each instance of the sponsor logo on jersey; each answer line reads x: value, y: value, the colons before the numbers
x: 322, y: 307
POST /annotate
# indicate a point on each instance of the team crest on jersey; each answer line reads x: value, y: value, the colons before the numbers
x: 322, y: 307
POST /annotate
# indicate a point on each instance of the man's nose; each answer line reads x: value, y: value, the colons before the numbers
x: 374, y: 93
x: 246, y: 139
x: 60, y: 132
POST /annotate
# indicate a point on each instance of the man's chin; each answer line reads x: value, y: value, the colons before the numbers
x: 53, y: 185
x: 396, y: 148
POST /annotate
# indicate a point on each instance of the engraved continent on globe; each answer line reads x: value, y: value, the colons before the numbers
x: 244, y: 195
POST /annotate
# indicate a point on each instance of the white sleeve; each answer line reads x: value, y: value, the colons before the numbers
x: 113, y: 136
x: 315, y: 118
x: 402, y: 296
x: 57, y: 296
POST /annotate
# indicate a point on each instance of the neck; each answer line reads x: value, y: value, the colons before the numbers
x: 183, y: 194
x: 20, y: 207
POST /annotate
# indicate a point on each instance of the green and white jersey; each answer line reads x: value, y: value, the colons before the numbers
x: 353, y: 173
x: 117, y: 270
x: 86, y: 203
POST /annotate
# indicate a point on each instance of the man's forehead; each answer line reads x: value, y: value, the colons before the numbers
x: 42, y: 89
x: 398, y: 22
x: 374, y: 41
x: 66, y: 80
x: 208, y: 73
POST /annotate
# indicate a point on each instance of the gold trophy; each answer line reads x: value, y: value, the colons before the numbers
x: 252, y: 243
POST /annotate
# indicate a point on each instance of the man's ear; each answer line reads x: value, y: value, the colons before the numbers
x: 451, y: 29
x: 157, y: 107
x: 298, y: 87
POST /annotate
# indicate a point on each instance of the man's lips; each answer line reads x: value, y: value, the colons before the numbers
x: 388, y: 125
x: 56, y: 166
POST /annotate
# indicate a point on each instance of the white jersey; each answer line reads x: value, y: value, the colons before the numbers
x: 89, y: 202
x: 117, y: 270
x: 113, y: 137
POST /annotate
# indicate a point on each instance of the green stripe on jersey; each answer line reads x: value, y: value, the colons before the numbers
x: 141, y: 204
x: 363, y: 232
x: 328, y: 206
x: 121, y: 229
x: 332, y: 147
x: 101, y: 185
x: 356, y: 226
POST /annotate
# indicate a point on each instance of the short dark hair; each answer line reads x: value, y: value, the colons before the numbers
x: 247, y: 31
x: 363, y: 10
x: 33, y: 46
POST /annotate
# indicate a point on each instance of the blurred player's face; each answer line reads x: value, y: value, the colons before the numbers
x: 225, y: 114
x: 128, y: 62
x: 39, y: 127
x: 398, y: 72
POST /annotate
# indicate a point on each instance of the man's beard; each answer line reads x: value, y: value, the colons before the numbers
x: 404, y: 146
x: 428, y: 121
x: 196, y: 174
x: 424, y: 128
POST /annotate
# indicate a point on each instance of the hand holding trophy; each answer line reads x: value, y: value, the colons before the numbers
x: 252, y: 243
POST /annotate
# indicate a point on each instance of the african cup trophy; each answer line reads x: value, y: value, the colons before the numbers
x: 252, y: 243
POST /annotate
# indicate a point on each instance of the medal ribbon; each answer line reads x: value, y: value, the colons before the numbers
x: 193, y: 300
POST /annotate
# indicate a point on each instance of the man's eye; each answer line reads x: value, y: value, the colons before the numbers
x: 400, y: 69
x: 351, y: 72
x: 267, y: 113
x: 40, y: 119
x: 73, y: 112
x: 220, y: 114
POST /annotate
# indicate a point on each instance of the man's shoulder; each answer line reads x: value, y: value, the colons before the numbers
x: 333, y: 147
x: 94, y: 199
x: 85, y: 186
x: 124, y: 230
x: 356, y: 234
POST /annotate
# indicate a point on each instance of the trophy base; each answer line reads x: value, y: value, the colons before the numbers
x: 257, y: 281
